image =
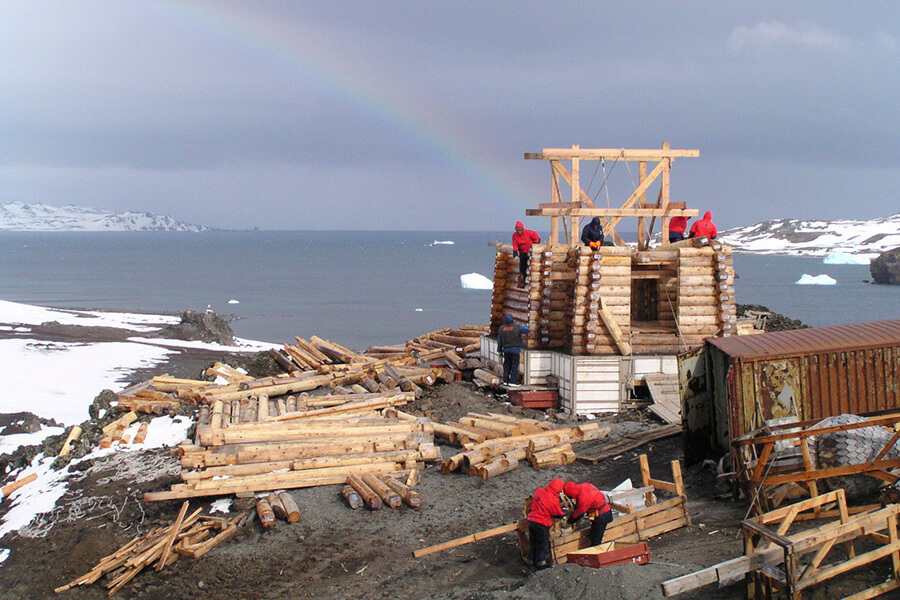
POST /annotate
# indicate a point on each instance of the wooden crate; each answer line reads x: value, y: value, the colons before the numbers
x: 534, y: 398
x: 607, y: 555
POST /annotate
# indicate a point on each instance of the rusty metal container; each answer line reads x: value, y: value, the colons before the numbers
x: 744, y: 381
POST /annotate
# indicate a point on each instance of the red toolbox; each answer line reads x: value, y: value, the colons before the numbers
x: 534, y: 398
x: 599, y: 556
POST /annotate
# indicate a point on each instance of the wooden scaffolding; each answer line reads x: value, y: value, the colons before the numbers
x: 616, y: 299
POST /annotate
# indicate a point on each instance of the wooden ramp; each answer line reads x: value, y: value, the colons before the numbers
x: 666, y: 397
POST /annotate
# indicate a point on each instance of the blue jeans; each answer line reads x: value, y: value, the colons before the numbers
x: 511, y: 366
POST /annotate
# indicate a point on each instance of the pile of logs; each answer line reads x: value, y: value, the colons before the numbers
x: 496, y: 444
x: 279, y: 505
x: 190, y: 535
x: 113, y: 433
x: 375, y: 490
x: 271, y: 445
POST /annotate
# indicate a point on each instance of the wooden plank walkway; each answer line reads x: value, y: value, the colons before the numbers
x: 666, y: 397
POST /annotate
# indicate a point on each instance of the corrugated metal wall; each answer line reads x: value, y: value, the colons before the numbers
x: 815, y: 386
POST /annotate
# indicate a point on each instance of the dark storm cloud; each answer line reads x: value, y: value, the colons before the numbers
x: 238, y: 113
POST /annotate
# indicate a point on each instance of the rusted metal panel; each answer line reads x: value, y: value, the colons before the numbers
x: 816, y: 340
x: 808, y: 384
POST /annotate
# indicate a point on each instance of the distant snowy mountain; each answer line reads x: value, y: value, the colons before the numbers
x: 816, y: 238
x: 16, y: 216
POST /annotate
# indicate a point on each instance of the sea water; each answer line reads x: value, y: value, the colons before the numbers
x: 357, y: 288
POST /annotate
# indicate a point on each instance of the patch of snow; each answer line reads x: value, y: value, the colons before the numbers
x: 78, y: 373
x: 9, y: 443
x: 41, y: 495
x: 222, y: 505
x: 4, y: 554
x: 837, y: 257
x: 233, y: 301
x: 242, y: 344
x: 26, y: 314
x: 34, y: 498
x: 17, y: 216
x: 475, y: 281
x: 219, y: 380
x: 807, y: 279
x: 817, y: 238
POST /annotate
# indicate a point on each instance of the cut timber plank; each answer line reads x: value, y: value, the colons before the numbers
x: 482, y: 535
x: 597, y: 452
x: 666, y: 397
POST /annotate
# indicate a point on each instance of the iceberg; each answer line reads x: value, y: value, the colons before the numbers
x: 816, y: 280
x: 475, y: 281
x: 837, y: 257
x: 233, y: 301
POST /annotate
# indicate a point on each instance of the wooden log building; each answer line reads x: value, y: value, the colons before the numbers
x: 602, y: 319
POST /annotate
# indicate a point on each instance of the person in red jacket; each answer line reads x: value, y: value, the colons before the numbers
x: 522, y: 240
x: 705, y: 227
x: 544, y: 508
x: 591, y: 502
x: 677, y: 227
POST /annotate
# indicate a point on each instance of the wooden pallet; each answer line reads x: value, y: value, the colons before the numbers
x: 666, y: 397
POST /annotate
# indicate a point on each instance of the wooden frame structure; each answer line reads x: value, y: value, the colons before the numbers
x: 775, y: 463
x: 778, y: 562
x: 581, y: 204
x: 634, y: 525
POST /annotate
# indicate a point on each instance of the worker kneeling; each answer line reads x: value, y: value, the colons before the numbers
x: 544, y: 508
x: 591, y: 502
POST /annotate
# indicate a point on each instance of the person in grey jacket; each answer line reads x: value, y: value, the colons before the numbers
x: 509, y: 343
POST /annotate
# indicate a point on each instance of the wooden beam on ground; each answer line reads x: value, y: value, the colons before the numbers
x: 475, y: 537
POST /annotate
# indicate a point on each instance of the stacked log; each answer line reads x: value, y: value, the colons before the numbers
x: 706, y: 293
x: 553, y: 298
x: 303, y: 448
x: 541, y: 446
x: 190, y: 535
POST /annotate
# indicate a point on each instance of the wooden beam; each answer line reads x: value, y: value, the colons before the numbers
x: 560, y: 170
x: 638, y: 192
x: 482, y: 535
x: 616, y: 213
x: 610, y: 154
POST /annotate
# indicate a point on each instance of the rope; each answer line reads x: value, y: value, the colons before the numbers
x: 605, y: 178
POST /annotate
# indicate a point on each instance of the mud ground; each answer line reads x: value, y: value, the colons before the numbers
x: 335, y: 552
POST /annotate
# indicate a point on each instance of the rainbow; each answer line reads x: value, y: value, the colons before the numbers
x: 352, y: 79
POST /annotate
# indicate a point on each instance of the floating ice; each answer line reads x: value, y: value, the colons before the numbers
x: 440, y: 243
x: 475, y: 281
x: 233, y: 301
x: 816, y: 280
x: 419, y: 310
x: 836, y: 257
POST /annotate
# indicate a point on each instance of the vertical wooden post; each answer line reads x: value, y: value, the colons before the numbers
x: 554, y: 197
x: 643, y: 242
x: 895, y: 556
x: 576, y: 196
x: 664, y: 196
x: 650, y: 497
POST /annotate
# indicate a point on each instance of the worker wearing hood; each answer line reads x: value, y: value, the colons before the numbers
x: 522, y: 240
x: 591, y: 502
x: 705, y: 227
x: 544, y: 508
x: 592, y: 234
x: 509, y: 344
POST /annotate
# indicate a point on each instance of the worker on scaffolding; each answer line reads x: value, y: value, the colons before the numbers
x: 544, y: 508
x: 592, y: 234
x: 522, y: 240
x: 677, y: 228
x: 509, y: 344
x: 591, y: 502
x: 705, y: 227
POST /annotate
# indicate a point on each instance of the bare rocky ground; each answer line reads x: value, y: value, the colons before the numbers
x: 335, y: 552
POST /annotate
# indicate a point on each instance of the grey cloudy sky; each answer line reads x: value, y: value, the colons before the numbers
x: 415, y: 115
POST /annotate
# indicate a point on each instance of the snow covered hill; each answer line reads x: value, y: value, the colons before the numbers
x: 865, y: 239
x: 17, y: 216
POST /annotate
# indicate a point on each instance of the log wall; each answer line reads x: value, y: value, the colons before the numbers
x: 584, y: 301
